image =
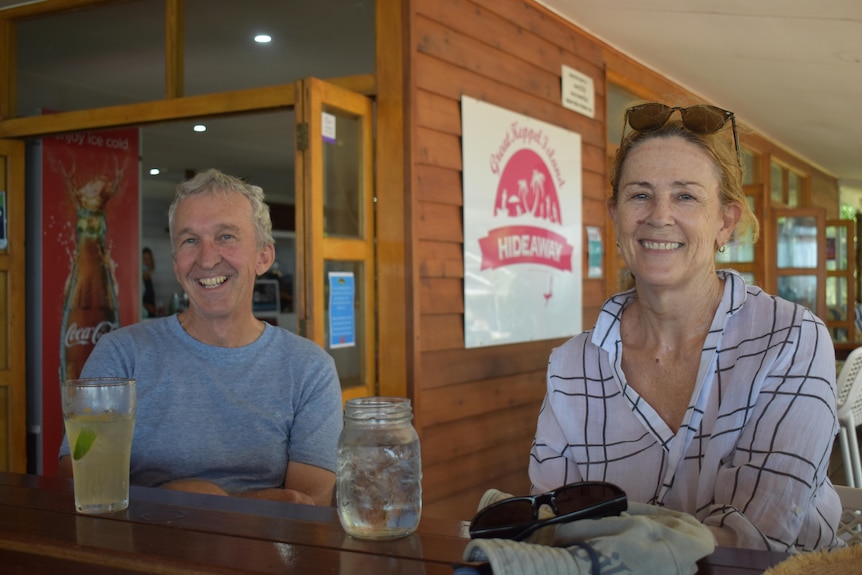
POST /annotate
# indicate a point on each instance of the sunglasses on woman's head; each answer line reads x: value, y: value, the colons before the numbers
x: 700, y: 119
x: 518, y: 517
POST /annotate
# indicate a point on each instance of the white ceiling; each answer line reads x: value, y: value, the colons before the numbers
x: 789, y: 69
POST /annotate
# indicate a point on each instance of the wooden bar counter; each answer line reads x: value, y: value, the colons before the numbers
x: 171, y: 532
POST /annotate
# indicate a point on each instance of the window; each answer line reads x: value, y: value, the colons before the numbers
x: 785, y: 186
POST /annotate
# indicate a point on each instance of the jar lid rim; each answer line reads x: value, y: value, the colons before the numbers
x: 377, y: 408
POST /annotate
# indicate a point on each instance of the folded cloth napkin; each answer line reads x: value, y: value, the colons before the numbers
x: 646, y: 539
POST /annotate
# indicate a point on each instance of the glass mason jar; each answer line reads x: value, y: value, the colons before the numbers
x: 379, y: 469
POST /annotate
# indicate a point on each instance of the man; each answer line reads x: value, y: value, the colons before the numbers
x: 227, y: 404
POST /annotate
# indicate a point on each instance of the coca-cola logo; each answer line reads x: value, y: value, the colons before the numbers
x: 87, y: 335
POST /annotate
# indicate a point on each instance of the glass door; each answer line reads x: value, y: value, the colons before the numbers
x: 335, y: 295
x: 13, y: 406
x: 840, y: 280
x: 800, y: 263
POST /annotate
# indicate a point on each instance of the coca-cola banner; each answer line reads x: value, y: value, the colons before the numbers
x: 90, y: 227
x: 522, y: 227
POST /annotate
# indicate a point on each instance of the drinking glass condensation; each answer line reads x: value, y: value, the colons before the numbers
x: 99, y: 415
x: 379, y: 469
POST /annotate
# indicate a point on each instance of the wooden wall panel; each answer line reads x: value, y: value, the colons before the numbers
x: 453, y: 367
x: 438, y: 148
x: 498, y: 30
x: 594, y: 188
x: 595, y: 213
x: 822, y: 194
x: 394, y: 207
x: 440, y: 185
x: 594, y: 158
x: 478, y: 408
x: 439, y: 222
x: 451, y: 80
x: 442, y: 405
x: 626, y: 72
x: 463, y: 504
x: 441, y: 114
x: 460, y: 474
x: 440, y: 259
x: 544, y: 26
x: 441, y: 332
x: 483, y: 60
x: 441, y: 295
x: 442, y: 443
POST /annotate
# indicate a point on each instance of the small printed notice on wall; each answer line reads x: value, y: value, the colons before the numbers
x: 342, y: 315
x: 578, y: 92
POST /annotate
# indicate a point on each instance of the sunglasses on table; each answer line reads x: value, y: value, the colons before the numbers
x: 700, y: 119
x: 518, y: 517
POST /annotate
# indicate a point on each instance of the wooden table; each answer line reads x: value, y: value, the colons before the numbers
x: 170, y: 532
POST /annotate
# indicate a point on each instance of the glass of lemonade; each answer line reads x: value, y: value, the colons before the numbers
x: 99, y: 415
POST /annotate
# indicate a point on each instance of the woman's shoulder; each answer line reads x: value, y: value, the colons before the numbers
x: 579, y: 346
x: 764, y: 303
x: 753, y: 300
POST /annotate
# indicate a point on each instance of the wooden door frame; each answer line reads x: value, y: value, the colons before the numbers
x: 13, y: 264
x: 849, y: 275
x: 314, y: 246
x: 819, y: 271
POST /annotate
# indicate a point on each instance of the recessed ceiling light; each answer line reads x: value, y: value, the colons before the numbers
x: 263, y: 38
x: 200, y: 128
x: 154, y: 171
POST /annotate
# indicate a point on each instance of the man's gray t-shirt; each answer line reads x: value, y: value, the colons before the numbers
x: 232, y: 416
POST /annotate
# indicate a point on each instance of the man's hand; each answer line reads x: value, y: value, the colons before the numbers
x: 303, y: 483
x: 315, y: 481
x: 275, y: 494
x: 194, y: 486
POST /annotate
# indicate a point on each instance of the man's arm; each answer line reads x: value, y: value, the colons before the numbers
x: 303, y: 483
x: 194, y: 486
x: 64, y: 471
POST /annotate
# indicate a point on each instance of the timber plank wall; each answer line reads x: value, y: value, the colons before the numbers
x: 476, y: 409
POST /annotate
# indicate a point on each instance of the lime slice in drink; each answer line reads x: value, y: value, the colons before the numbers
x: 84, y: 443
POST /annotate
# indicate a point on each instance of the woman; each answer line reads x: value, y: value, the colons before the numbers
x: 738, y: 435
